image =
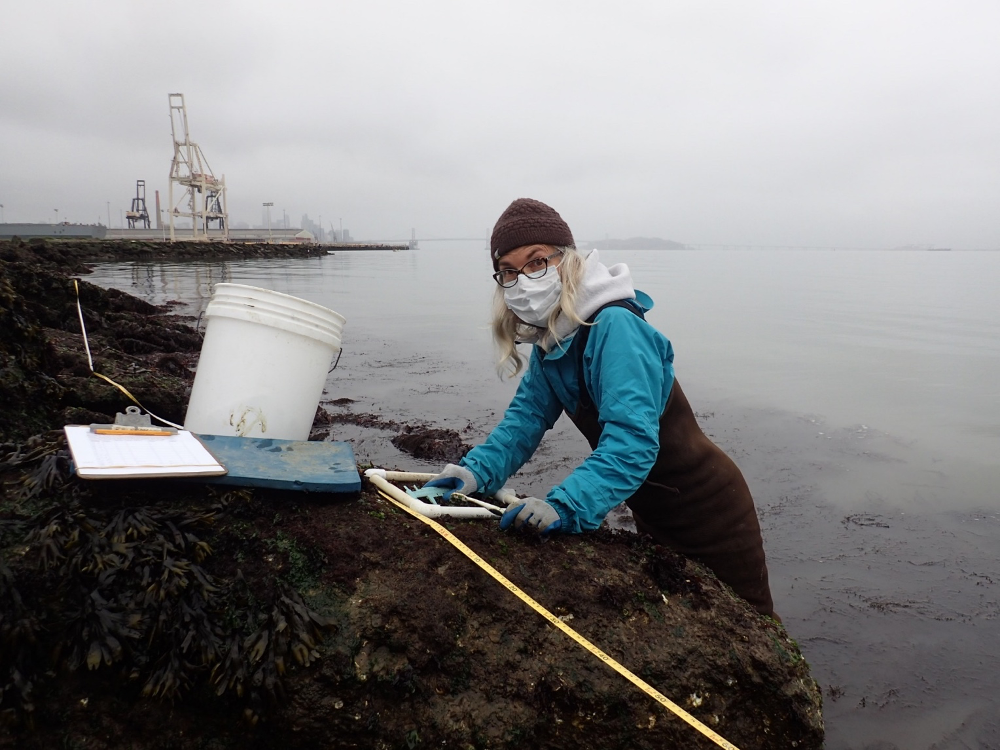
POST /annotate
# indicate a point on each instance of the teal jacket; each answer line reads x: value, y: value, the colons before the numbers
x: 628, y: 371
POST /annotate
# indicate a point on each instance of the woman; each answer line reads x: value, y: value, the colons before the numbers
x: 595, y: 357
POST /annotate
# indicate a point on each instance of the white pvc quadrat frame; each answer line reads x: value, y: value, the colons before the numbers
x: 382, y: 478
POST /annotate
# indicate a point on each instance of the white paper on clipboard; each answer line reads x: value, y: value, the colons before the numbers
x: 131, y: 456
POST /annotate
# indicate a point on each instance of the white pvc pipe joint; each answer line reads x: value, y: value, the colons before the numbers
x: 425, y: 509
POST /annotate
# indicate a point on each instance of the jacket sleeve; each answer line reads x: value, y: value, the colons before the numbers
x: 628, y: 368
x: 532, y: 411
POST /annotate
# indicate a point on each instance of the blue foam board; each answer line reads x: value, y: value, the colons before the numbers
x: 308, y: 466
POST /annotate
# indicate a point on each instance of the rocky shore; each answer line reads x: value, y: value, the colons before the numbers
x: 156, y: 614
x: 124, y: 250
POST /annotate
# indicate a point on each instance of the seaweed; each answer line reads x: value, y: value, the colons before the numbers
x: 127, y: 589
x: 433, y: 444
x: 48, y: 451
x: 18, y: 652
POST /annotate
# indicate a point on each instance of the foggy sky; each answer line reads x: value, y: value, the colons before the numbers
x: 859, y: 124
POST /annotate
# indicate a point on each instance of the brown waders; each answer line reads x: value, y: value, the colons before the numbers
x: 695, y: 499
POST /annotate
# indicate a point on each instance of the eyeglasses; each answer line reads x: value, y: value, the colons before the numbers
x: 533, y: 269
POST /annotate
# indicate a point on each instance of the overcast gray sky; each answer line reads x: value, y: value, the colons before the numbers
x: 863, y: 124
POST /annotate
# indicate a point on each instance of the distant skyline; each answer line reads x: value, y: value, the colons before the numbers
x: 784, y: 123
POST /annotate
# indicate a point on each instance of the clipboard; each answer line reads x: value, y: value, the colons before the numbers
x: 129, y: 456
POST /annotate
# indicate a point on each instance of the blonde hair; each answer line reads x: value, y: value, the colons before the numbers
x: 508, y: 328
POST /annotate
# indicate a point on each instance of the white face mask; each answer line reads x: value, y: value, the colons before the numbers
x: 533, y: 300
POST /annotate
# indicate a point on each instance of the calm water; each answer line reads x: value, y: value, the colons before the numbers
x: 859, y: 392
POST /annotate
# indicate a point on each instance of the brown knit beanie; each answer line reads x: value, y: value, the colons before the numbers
x: 527, y: 222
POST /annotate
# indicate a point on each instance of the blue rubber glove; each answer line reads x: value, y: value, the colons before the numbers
x: 533, y: 513
x: 454, y: 479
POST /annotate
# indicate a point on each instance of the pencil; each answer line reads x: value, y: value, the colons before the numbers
x: 133, y: 432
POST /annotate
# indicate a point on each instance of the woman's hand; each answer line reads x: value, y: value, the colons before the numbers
x: 533, y: 513
x: 454, y: 478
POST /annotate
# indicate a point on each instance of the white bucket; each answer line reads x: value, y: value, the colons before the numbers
x: 263, y: 364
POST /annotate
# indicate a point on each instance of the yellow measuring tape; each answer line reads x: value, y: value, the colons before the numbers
x: 556, y: 622
x: 90, y: 362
